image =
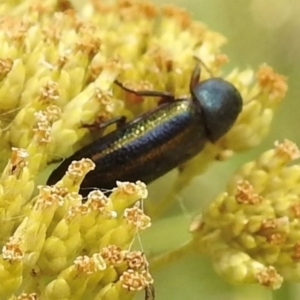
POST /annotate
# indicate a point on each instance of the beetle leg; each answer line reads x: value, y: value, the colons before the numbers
x: 168, y: 97
x: 120, y: 121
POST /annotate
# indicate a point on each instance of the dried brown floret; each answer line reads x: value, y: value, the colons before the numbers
x: 295, y: 208
x: 90, y: 265
x: 5, y: 66
x: 49, y: 196
x: 136, y: 217
x: 49, y: 92
x: 78, y: 169
x: 136, y: 260
x: 272, y: 82
x: 19, y: 160
x: 97, y: 200
x: 287, y: 149
x: 181, y: 16
x: 114, y: 254
x: 246, y: 195
x: 25, y: 296
x: 269, y: 277
x: 132, y: 280
x: 12, y: 251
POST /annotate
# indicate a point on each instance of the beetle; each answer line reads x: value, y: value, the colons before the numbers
x: 161, y: 139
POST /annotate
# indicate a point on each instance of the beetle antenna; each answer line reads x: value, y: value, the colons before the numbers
x: 252, y: 98
x: 207, y: 69
x: 195, y: 77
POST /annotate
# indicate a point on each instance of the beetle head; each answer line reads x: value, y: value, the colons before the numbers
x: 220, y: 104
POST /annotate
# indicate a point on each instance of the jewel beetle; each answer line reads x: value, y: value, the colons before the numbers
x: 161, y: 139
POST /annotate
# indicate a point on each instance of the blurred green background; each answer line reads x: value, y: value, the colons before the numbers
x: 258, y: 31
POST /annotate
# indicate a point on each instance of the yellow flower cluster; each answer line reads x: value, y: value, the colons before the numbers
x: 251, y: 231
x: 57, y: 247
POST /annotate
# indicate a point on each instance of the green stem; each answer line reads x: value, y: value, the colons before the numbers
x: 168, y: 257
x: 161, y: 207
x: 155, y: 211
